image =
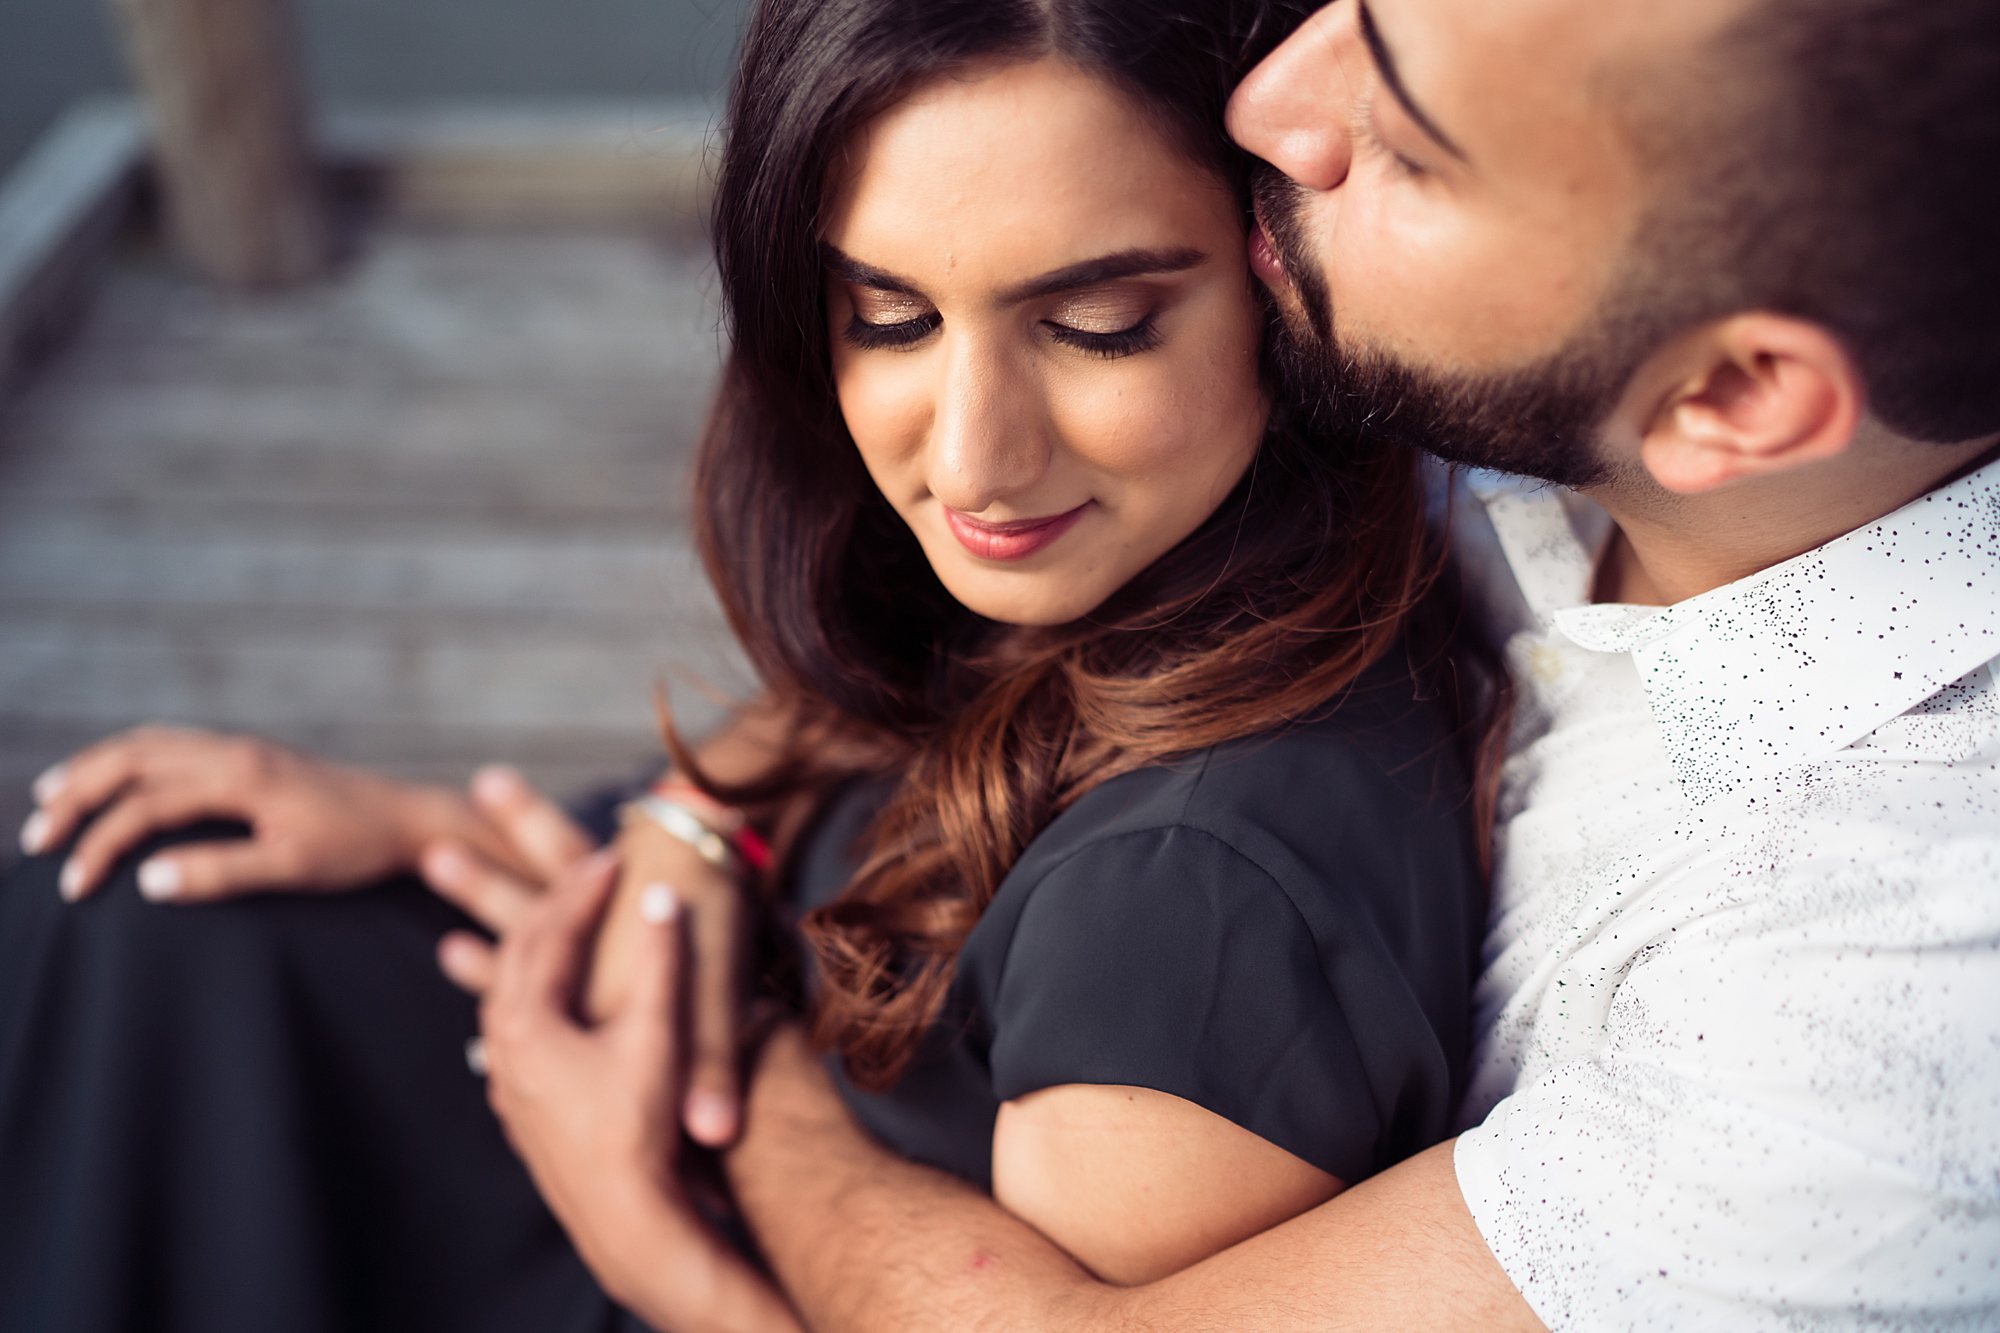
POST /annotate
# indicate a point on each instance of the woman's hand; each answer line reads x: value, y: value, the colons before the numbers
x: 544, y: 837
x: 315, y: 825
x: 593, y: 1109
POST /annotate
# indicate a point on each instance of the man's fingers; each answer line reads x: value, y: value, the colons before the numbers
x: 541, y: 831
x: 127, y: 822
x: 712, y: 1111
x: 543, y: 956
x: 468, y: 960
x: 490, y: 896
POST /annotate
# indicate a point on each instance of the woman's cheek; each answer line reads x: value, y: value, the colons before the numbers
x: 884, y: 411
x: 1130, y: 425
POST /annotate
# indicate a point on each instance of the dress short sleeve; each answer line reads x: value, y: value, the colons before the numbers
x: 1166, y: 959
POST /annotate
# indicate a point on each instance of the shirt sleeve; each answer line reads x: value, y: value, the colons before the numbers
x: 1165, y: 959
x: 1790, y: 1125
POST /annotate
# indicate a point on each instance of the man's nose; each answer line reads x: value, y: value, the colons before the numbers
x: 986, y: 446
x: 1294, y: 109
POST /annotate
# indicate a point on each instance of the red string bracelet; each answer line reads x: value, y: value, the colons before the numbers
x: 744, y: 840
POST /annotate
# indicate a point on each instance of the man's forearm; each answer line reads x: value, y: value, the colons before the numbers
x: 864, y: 1240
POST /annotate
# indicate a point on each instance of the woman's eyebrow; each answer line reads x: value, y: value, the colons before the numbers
x: 1071, y: 277
x: 1104, y: 268
x: 849, y: 269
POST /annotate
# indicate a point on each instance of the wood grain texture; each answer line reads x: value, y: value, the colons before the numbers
x: 431, y: 516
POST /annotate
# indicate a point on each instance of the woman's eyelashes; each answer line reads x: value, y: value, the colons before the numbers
x: 1140, y: 336
x: 903, y: 333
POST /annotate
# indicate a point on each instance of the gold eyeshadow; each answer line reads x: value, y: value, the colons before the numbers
x: 880, y: 307
x: 1103, y: 311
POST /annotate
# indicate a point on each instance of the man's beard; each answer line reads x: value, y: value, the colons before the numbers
x: 1538, y: 421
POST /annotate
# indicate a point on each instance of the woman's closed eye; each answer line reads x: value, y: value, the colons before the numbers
x: 1091, y: 327
x: 870, y: 335
x: 1142, y: 336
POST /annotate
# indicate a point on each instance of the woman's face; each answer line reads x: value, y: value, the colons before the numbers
x: 1045, y: 341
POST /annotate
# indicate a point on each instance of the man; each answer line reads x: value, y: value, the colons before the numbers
x: 1729, y: 269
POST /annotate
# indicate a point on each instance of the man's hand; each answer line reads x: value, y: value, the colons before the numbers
x: 592, y: 1108
x: 315, y: 825
x: 548, y: 842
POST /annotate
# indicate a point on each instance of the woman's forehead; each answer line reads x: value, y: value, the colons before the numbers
x: 1005, y: 169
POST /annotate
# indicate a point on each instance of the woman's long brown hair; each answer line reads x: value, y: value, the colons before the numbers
x: 1303, y: 578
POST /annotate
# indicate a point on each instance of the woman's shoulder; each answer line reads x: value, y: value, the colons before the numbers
x: 1281, y: 929
x: 1320, y: 800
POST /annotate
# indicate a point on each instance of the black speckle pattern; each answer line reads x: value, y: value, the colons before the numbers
x: 1738, y: 1059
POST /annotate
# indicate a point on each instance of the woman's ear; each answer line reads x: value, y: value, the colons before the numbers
x: 1748, y: 396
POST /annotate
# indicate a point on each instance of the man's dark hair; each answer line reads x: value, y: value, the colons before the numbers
x: 1844, y: 167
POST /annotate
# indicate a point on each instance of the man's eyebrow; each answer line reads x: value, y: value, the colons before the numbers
x: 1071, y: 277
x: 1393, y: 80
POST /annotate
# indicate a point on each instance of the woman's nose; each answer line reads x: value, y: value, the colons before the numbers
x: 987, y: 445
x: 1293, y: 110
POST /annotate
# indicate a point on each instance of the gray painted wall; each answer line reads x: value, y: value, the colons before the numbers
x: 385, y: 51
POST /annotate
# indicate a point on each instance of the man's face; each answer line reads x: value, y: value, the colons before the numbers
x: 1449, y: 212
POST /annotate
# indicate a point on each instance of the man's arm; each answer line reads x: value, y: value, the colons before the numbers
x: 864, y: 1240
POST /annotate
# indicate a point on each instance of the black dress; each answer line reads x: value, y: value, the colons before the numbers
x: 1282, y: 930
x: 255, y: 1116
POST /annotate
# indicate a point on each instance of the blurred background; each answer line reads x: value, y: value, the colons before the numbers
x: 351, y: 357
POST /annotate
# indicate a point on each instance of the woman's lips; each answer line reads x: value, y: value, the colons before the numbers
x: 1010, y: 541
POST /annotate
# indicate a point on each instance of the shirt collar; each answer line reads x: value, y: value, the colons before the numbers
x: 1798, y: 660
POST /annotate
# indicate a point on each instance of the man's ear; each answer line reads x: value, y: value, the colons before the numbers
x: 1745, y: 397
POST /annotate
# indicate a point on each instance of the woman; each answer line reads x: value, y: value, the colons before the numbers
x: 1124, y: 818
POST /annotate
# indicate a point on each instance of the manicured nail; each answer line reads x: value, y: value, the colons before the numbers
x: 70, y: 883
x: 446, y: 863
x: 659, y: 904
x: 50, y: 782
x: 159, y: 880
x: 497, y: 782
x: 34, y: 833
x: 711, y: 1115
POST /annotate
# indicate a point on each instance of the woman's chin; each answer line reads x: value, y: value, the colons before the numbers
x: 1046, y: 597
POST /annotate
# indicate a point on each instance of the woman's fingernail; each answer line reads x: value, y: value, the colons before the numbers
x: 710, y: 1115
x: 444, y: 862
x: 35, y: 833
x: 159, y: 880
x: 496, y: 782
x: 70, y: 883
x: 659, y: 904
x: 49, y: 783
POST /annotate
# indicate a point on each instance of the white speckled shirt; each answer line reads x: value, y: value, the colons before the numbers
x: 1738, y: 1060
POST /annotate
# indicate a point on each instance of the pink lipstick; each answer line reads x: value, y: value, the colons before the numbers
x: 1010, y: 541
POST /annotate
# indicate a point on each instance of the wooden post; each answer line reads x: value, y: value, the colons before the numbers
x: 244, y: 198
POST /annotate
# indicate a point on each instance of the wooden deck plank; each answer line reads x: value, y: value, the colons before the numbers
x: 427, y: 515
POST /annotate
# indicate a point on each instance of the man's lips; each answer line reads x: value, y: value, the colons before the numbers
x: 1010, y: 541
x: 1265, y: 261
